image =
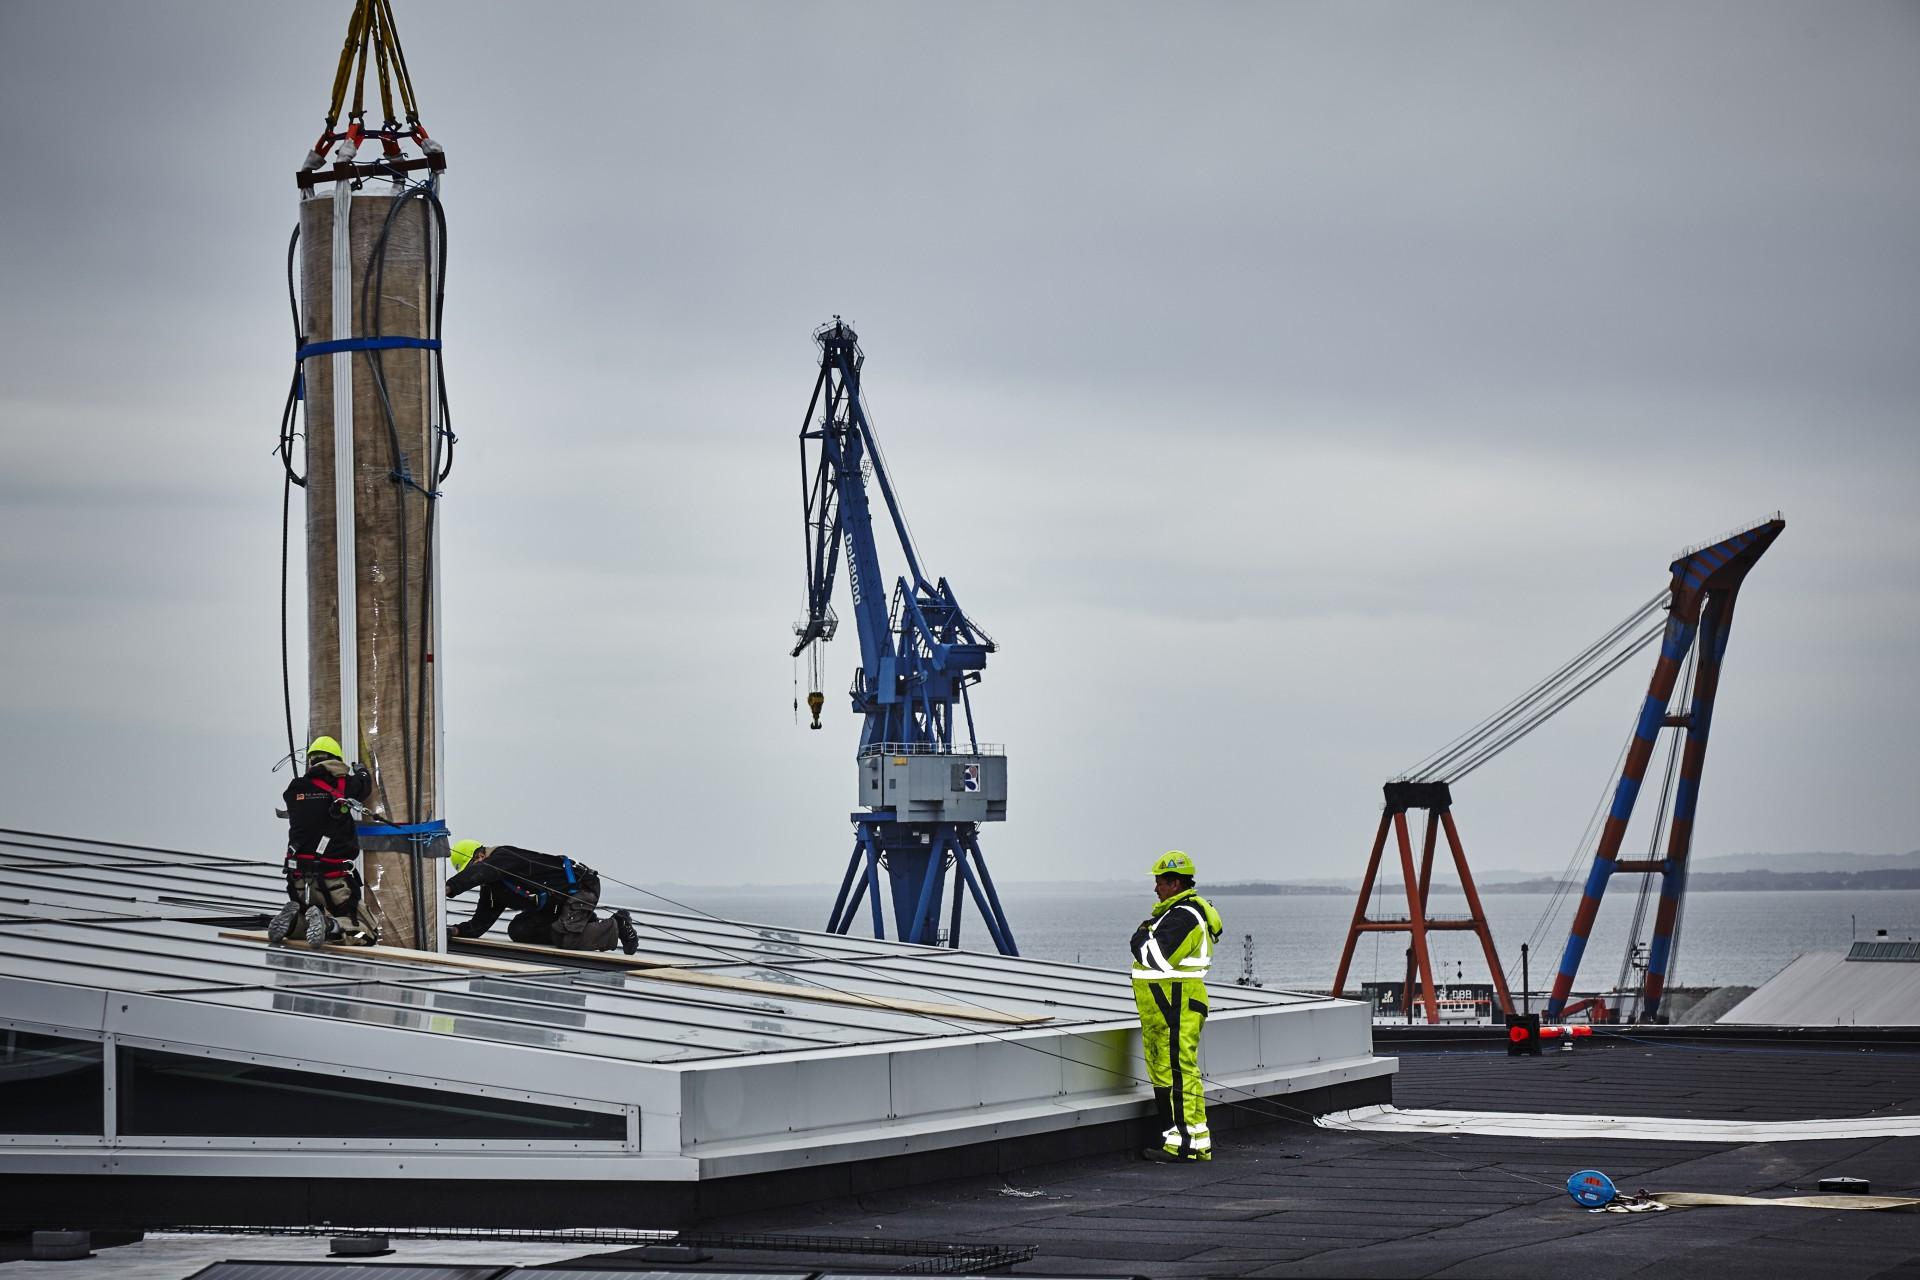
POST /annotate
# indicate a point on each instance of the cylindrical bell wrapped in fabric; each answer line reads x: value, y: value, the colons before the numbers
x: 384, y: 559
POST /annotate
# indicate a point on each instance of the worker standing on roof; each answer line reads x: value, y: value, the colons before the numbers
x: 1172, y: 950
x: 322, y: 842
x: 553, y: 897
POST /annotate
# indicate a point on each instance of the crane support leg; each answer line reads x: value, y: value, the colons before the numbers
x: 863, y: 878
x: 1715, y: 624
x: 984, y: 898
x: 1360, y: 907
x: 1704, y: 585
x: 842, y: 915
x: 1426, y: 882
x: 1416, y: 917
x: 1476, y: 911
x: 1653, y: 713
x: 929, y: 869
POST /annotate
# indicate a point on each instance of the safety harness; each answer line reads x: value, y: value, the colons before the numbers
x: 539, y: 896
x: 319, y: 862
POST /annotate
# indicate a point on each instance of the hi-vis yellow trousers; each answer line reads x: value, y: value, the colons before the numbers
x: 1172, y: 1014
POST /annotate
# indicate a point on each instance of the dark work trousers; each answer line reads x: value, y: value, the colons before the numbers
x: 567, y: 921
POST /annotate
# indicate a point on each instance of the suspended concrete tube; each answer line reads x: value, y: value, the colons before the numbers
x: 370, y: 273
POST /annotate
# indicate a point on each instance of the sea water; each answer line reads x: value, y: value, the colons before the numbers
x: 1727, y: 938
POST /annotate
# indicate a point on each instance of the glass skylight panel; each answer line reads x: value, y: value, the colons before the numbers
x: 177, y: 1094
x: 420, y: 1007
x: 50, y: 1084
x: 813, y: 1020
x: 28, y: 955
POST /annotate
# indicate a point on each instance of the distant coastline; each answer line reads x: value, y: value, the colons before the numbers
x: 1698, y: 882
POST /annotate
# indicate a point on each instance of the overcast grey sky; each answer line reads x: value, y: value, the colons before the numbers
x: 1283, y: 386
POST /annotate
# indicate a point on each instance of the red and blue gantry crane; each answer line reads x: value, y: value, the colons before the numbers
x: 1698, y: 602
x: 1706, y: 583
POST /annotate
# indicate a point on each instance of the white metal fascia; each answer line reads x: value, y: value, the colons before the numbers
x: 181, y: 1162
x: 941, y: 1132
x: 60, y: 1008
x: 449, y: 1060
x: 384, y: 1075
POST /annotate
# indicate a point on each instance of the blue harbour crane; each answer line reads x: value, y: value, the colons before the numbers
x: 924, y: 796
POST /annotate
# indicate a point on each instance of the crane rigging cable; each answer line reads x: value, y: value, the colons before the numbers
x: 371, y: 30
x: 1543, y: 700
x: 1462, y: 768
x: 1564, y: 883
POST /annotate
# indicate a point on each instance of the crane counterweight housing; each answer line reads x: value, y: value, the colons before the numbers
x: 952, y: 788
x: 925, y: 781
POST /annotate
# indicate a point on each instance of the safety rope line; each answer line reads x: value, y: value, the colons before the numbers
x: 289, y: 432
x: 1253, y: 1102
x: 1565, y: 883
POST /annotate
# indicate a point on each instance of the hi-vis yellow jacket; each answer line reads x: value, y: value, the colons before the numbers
x: 1175, y: 943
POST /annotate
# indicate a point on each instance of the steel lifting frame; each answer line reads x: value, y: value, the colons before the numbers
x: 1437, y: 799
x: 1705, y: 584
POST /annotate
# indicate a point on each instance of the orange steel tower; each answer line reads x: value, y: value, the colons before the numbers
x: 1437, y: 800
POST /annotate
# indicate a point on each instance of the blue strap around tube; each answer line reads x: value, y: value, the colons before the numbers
x: 364, y: 344
x: 419, y: 833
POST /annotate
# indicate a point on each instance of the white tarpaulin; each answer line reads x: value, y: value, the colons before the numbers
x: 1519, y: 1124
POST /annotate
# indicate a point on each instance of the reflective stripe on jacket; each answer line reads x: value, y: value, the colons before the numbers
x: 1176, y: 941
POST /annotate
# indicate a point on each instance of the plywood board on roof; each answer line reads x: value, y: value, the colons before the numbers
x: 483, y: 964
x: 785, y: 991
x: 521, y: 948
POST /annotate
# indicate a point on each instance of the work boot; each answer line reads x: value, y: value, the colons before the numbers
x: 1160, y: 1155
x: 629, y: 936
x: 282, y: 923
x: 316, y: 927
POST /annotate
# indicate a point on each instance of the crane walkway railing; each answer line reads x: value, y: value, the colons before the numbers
x: 932, y: 749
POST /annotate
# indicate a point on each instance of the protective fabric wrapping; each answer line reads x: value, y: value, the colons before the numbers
x: 392, y: 545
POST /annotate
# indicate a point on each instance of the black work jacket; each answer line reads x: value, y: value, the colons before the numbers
x: 320, y: 826
x: 511, y: 879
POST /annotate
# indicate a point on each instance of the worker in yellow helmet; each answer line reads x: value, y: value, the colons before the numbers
x: 1172, y: 951
x: 553, y: 899
x: 323, y: 886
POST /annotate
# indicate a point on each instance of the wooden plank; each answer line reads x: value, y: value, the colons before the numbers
x: 666, y: 970
x: 483, y: 964
x: 969, y: 1013
x: 516, y: 948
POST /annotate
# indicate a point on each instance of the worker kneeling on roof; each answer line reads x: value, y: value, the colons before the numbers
x: 1172, y: 950
x: 553, y: 897
x: 323, y: 888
